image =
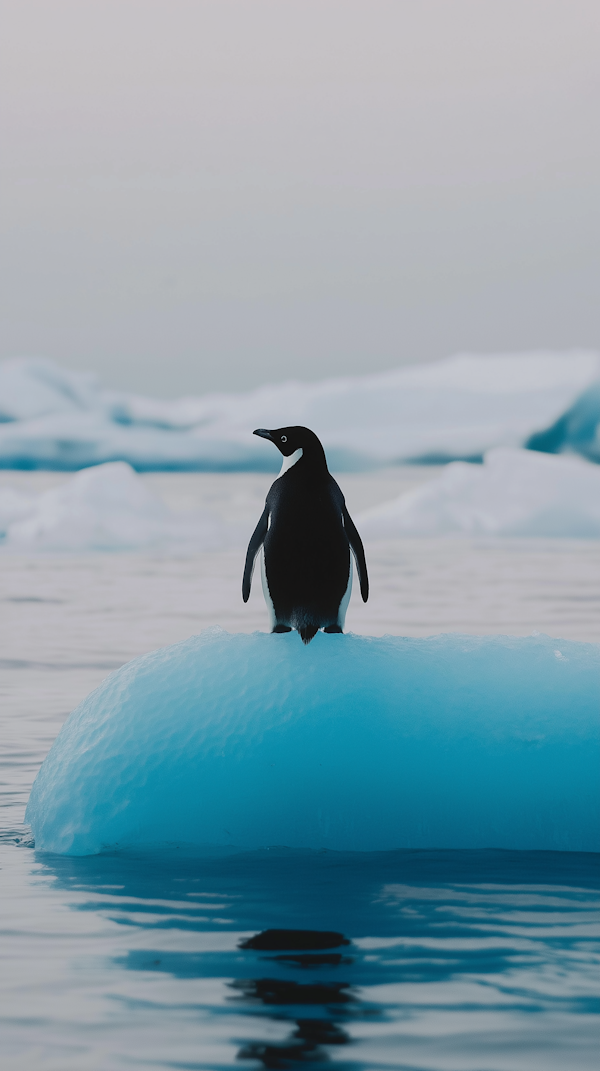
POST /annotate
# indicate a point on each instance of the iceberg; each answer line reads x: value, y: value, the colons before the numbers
x: 35, y: 387
x: 514, y: 493
x: 455, y: 408
x: 106, y: 507
x: 14, y: 506
x: 576, y: 431
x: 352, y: 743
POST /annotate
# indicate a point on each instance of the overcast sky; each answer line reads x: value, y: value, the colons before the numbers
x: 211, y: 194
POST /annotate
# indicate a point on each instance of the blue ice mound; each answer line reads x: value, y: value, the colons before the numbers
x: 352, y: 743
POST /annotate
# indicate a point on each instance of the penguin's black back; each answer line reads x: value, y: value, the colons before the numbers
x: 307, y: 554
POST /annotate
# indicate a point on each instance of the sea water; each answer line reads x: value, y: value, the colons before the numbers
x: 457, y: 959
x: 454, y: 960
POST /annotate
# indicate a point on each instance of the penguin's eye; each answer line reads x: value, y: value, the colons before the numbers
x: 284, y: 438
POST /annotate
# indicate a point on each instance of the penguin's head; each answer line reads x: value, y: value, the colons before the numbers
x: 288, y: 440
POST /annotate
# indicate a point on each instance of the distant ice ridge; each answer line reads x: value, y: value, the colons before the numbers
x: 353, y: 743
x: 514, y: 493
x: 106, y: 507
x: 456, y: 408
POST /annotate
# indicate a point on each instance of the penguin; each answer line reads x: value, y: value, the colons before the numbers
x: 306, y: 535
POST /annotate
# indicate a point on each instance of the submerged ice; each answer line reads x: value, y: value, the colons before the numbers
x: 351, y: 743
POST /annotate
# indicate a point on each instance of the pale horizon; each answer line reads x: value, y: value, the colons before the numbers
x: 207, y: 195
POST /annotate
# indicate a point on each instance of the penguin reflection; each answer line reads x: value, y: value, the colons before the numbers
x: 306, y: 534
x: 305, y: 1044
x: 330, y: 1000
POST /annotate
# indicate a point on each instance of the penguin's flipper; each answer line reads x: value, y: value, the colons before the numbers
x: 359, y: 553
x: 256, y: 542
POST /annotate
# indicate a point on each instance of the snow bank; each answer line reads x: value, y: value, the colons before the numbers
x: 454, y: 408
x: 351, y: 743
x: 107, y: 507
x: 514, y: 493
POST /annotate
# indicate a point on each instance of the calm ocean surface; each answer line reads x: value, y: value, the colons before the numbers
x: 457, y: 961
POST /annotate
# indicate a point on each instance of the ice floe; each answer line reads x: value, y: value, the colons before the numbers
x: 458, y: 407
x: 517, y: 493
x: 514, y: 493
x: 106, y: 507
x: 351, y: 743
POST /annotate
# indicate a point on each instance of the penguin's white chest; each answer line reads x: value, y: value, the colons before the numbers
x: 289, y: 462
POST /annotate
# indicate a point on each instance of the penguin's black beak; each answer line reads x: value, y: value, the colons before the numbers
x: 264, y: 434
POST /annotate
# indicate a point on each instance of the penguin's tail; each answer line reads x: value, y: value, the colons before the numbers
x: 307, y: 632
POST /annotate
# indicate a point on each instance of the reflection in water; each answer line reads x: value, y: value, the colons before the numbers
x: 332, y: 959
x: 281, y: 940
x: 309, y: 1040
x: 311, y: 1035
x: 456, y: 960
x: 306, y: 1043
x: 276, y: 991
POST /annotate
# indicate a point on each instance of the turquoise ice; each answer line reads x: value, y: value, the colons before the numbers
x: 352, y: 743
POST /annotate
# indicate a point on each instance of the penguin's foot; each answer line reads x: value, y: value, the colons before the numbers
x: 281, y: 628
x: 333, y: 628
x: 307, y: 632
